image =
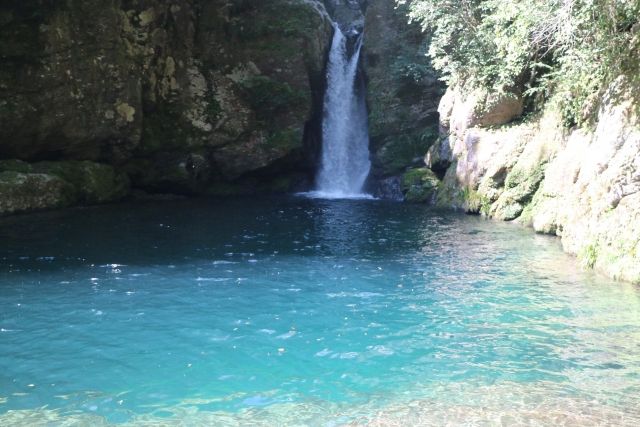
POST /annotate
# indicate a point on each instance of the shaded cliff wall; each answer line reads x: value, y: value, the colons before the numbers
x: 186, y: 96
x: 403, y: 89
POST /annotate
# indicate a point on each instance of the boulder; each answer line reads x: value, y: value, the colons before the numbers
x: 46, y: 185
x: 419, y: 185
x: 25, y: 192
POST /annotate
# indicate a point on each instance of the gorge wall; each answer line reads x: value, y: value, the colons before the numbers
x: 188, y: 97
x: 99, y: 99
x: 582, y: 184
x: 403, y: 94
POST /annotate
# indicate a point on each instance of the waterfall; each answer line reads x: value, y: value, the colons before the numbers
x: 345, y: 136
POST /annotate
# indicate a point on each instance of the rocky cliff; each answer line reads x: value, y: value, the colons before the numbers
x: 582, y: 184
x: 183, y: 96
x: 403, y: 89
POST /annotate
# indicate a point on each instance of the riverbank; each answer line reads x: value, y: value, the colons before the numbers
x: 581, y: 184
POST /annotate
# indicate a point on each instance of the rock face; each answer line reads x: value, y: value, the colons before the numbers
x: 582, y: 185
x: 187, y: 96
x: 45, y: 185
x: 348, y: 14
x: 403, y: 89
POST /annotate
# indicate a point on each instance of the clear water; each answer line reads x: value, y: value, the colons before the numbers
x: 305, y: 312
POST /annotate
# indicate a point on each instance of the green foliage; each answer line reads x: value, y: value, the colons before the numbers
x: 475, y: 202
x: 567, y: 50
x: 411, y: 65
x: 589, y: 255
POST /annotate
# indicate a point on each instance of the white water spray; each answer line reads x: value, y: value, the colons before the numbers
x: 345, y: 136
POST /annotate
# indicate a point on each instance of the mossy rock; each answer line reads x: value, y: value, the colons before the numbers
x: 93, y: 182
x: 473, y: 202
x: 419, y: 185
x: 25, y: 192
x: 520, y: 189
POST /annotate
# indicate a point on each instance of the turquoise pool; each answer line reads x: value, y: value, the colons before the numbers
x: 290, y: 311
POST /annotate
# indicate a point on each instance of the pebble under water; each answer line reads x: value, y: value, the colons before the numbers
x: 293, y: 311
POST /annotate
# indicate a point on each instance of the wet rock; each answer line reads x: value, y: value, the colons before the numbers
x: 582, y: 185
x: 94, y: 183
x: 389, y: 189
x: 68, y: 183
x: 420, y: 185
x: 25, y: 192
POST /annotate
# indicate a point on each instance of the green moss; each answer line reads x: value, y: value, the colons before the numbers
x: 474, y: 202
x: 15, y: 166
x: 588, y: 255
x: 24, y: 192
x: 526, y: 217
x: 68, y: 181
x: 419, y: 185
x: 514, y: 178
x: 165, y: 128
x: 523, y: 184
x: 93, y: 182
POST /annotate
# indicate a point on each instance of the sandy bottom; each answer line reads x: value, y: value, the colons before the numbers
x: 451, y: 405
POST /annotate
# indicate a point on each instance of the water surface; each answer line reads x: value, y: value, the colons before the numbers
x: 308, y: 312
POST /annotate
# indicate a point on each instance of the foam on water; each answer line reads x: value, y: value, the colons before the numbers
x: 336, y: 195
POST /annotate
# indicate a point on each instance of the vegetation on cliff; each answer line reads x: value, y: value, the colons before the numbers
x: 569, y: 51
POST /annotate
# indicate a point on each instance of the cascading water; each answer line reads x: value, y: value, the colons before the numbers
x: 345, y: 136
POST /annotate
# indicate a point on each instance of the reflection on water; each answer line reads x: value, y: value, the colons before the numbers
x: 342, y: 226
x: 285, y: 311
